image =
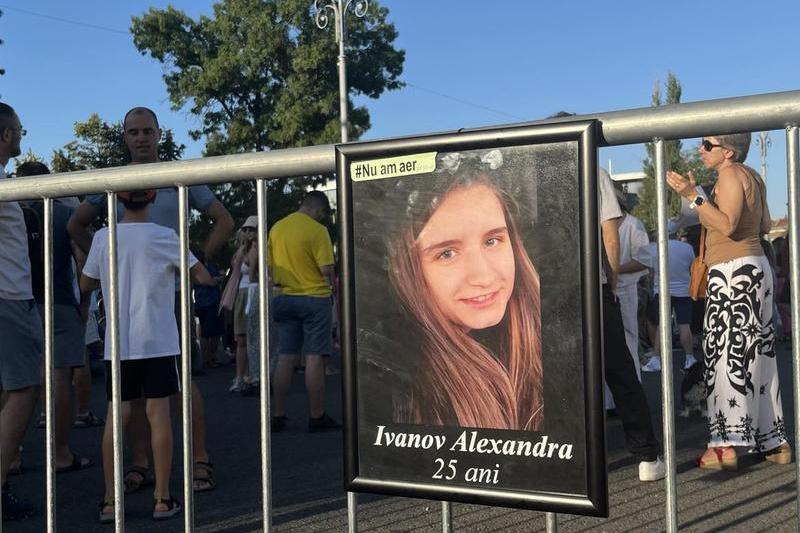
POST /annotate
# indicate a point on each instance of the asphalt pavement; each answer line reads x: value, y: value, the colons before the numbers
x: 308, y: 493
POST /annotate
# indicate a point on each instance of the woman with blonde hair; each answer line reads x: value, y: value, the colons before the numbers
x: 743, y: 393
x: 471, y: 296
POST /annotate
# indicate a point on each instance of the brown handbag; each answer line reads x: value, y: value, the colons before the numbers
x: 698, y: 273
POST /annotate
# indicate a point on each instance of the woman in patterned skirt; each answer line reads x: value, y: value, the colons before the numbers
x: 741, y: 375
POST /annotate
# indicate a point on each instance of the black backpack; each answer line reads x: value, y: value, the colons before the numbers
x: 34, y: 223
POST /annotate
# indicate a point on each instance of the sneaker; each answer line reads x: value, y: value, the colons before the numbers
x: 87, y: 419
x: 653, y: 365
x: 278, y: 423
x: 249, y: 389
x: 689, y: 362
x: 13, y: 507
x: 323, y: 423
x: 236, y: 385
x: 652, y: 470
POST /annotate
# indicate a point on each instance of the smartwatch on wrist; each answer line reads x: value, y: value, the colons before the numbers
x: 697, y: 202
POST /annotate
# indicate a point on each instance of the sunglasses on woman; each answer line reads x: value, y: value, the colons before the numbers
x: 708, y: 145
x: 248, y: 229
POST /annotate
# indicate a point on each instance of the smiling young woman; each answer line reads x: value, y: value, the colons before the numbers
x: 461, y: 272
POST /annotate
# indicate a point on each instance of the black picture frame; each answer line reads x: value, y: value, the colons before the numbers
x: 591, y: 495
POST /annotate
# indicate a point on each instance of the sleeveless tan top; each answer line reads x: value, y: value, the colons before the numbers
x: 746, y: 239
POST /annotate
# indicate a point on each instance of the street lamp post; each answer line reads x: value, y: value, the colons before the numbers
x: 339, y: 9
x: 764, y: 142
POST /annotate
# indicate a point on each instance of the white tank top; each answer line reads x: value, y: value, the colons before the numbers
x: 245, y: 281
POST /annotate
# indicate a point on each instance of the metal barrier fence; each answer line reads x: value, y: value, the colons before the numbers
x: 653, y: 124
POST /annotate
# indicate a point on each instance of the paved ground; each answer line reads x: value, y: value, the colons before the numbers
x: 308, y: 495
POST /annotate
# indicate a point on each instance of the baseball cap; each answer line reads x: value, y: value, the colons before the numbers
x: 251, y: 222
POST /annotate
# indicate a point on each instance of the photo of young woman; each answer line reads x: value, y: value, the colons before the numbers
x: 470, y: 295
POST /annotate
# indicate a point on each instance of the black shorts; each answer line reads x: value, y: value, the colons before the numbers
x: 156, y: 377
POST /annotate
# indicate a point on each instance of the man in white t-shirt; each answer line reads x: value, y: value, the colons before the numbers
x: 148, y: 255
x: 20, y: 325
x: 681, y: 256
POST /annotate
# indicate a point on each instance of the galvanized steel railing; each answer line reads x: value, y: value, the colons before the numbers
x: 652, y: 124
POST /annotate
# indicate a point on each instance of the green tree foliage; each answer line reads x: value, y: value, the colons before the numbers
x: 260, y: 75
x: 99, y: 144
x: 677, y: 159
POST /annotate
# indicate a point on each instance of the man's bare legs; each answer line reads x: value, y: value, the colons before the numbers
x: 315, y: 384
x: 63, y: 416
x: 15, y: 414
x: 138, y: 429
x: 82, y: 382
x: 108, y: 448
x: 282, y: 381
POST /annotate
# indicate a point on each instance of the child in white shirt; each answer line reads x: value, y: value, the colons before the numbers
x: 147, y: 257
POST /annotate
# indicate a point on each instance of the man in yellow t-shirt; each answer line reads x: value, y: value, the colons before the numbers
x: 301, y: 265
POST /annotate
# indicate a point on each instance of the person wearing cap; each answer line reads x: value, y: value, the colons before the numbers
x: 301, y: 265
x: 148, y: 256
x: 142, y: 135
x: 681, y: 256
x: 236, y: 291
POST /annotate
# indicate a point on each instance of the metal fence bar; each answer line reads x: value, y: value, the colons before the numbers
x: 793, y: 170
x: 186, y: 359
x: 551, y: 522
x: 263, y: 355
x: 352, y: 512
x: 49, y: 367
x: 745, y: 113
x: 665, y: 336
x: 112, y: 316
x: 447, y: 517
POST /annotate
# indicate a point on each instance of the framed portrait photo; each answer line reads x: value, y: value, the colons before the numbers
x: 470, y: 317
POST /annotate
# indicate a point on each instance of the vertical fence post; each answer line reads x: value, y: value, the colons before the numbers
x: 352, y: 512
x: 793, y: 168
x: 49, y: 366
x: 263, y: 347
x: 665, y: 336
x: 551, y: 522
x: 447, y: 517
x: 186, y: 360
x: 112, y: 316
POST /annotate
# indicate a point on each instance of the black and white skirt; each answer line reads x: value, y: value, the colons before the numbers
x: 743, y: 394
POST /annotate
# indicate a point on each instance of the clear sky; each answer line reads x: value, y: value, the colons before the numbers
x: 468, y: 63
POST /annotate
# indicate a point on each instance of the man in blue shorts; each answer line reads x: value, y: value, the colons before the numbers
x: 301, y: 265
x: 20, y: 326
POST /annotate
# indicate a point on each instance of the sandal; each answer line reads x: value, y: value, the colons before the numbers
x: 137, y: 477
x: 203, y: 476
x: 106, y: 517
x: 719, y: 458
x: 87, y: 420
x: 78, y: 463
x: 782, y: 455
x: 173, y: 508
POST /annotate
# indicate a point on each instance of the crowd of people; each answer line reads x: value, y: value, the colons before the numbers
x: 148, y: 257
x: 739, y: 320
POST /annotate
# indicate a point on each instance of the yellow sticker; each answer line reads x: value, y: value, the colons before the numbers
x: 393, y: 167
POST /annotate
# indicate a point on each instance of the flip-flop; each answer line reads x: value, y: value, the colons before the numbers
x: 78, y: 463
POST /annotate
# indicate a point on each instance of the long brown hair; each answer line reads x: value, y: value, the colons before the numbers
x: 460, y: 381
